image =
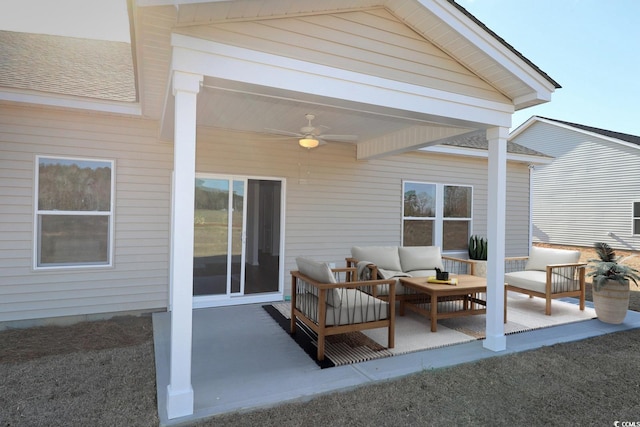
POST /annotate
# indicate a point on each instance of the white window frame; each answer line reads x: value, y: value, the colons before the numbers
x: 38, y: 213
x: 635, y: 218
x: 438, y: 226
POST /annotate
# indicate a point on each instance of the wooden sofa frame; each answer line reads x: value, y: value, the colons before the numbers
x: 320, y: 327
x: 517, y: 263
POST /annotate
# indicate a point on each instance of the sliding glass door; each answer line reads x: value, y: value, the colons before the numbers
x: 236, y: 237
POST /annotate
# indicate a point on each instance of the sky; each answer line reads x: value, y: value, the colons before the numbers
x: 590, y: 47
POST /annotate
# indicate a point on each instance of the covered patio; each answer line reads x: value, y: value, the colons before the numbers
x: 412, y: 74
x: 236, y: 368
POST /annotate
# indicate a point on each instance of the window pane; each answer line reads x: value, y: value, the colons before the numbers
x: 418, y: 233
x: 456, y: 235
x: 636, y: 209
x: 211, y: 237
x: 73, y: 239
x: 636, y: 226
x: 74, y: 185
x: 419, y: 200
x: 457, y: 202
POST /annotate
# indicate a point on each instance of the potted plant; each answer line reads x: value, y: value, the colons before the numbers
x: 611, y: 284
x: 478, y: 253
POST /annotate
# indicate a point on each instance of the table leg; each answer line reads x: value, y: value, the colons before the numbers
x: 434, y: 313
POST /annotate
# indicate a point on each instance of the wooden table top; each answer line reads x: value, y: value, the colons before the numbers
x: 466, y: 283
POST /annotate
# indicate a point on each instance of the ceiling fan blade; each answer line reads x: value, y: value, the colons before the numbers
x: 345, y: 138
x: 283, y: 132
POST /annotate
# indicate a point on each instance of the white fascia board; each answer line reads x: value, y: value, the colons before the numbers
x: 210, y: 58
x: 478, y: 153
x: 64, y: 101
x: 492, y: 47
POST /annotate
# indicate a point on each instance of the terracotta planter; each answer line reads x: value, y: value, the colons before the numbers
x: 611, y: 302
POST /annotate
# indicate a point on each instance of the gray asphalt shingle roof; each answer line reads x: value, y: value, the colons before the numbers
x: 478, y: 140
x: 68, y: 66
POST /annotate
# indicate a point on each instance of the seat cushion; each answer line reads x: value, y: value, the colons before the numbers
x: 356, y: 307
x: 535, y: 280
x: 320, y: 272
x: 385, y: 257
x: 413, y: 258
x: 539, y: 257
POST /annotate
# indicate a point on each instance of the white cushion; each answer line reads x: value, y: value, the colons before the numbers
x: 357, y: 307
x: 539, y: 257
x: 320, y: 272
x: 536, y: 280
x: 383, y: 256
x: 420, y: 258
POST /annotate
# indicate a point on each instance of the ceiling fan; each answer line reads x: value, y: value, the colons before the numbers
x: 311, y: 136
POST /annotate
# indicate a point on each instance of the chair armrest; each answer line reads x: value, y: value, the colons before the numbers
x: 562, y: 277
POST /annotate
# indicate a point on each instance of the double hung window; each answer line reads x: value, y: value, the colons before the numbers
x: 437, y: 214
x: 73, y: 212
x: 636, y: 217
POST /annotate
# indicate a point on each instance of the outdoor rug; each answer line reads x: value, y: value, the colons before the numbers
x: 413, y: 331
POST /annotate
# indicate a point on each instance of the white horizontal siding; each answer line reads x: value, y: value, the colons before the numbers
x: 139, y: 277
x: 587, y: 191
x: 371, y: 42
x: 346, y: 202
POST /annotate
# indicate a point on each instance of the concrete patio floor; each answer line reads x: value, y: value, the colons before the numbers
x: 243, y: 360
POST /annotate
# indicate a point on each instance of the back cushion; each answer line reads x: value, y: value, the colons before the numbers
x: 539, y: 258
x: 420, y: 258
x: 385, y: 257
x: 320, y: 272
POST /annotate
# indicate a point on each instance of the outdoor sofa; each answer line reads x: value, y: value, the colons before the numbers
x: 331, y: 301
x: 547, y: 273
x: 394, y: 262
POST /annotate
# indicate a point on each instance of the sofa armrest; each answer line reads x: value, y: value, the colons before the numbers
x: 457, y: 265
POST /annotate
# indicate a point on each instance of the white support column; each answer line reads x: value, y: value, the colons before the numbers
x: 496, y: 214
x: 179, y: 391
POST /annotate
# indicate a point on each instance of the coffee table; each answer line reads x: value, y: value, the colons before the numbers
x: 463, y: 299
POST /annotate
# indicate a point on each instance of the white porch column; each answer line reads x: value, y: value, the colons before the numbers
x: 496, y: 216
x: 179, y: 391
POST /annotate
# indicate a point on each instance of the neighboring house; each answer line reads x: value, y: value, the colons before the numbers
x: 171, y: 193
x: 590, y: 192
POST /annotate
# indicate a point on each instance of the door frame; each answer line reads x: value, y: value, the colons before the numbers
x: 227, y: 299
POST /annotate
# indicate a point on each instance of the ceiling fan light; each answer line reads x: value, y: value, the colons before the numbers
x: 308, y: 142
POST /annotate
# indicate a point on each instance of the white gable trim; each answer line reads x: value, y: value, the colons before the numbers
x: 483, y: 40
x: 478, y: 153
x: 248, y: 66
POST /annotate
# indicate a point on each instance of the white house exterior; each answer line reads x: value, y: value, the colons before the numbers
x: 136, y: 233
x: 589, y: 192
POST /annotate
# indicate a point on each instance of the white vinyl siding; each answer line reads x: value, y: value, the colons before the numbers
x: 585, y: 195
x: 372, y: 42
x: 138, y: 279
x: 334, y: 202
